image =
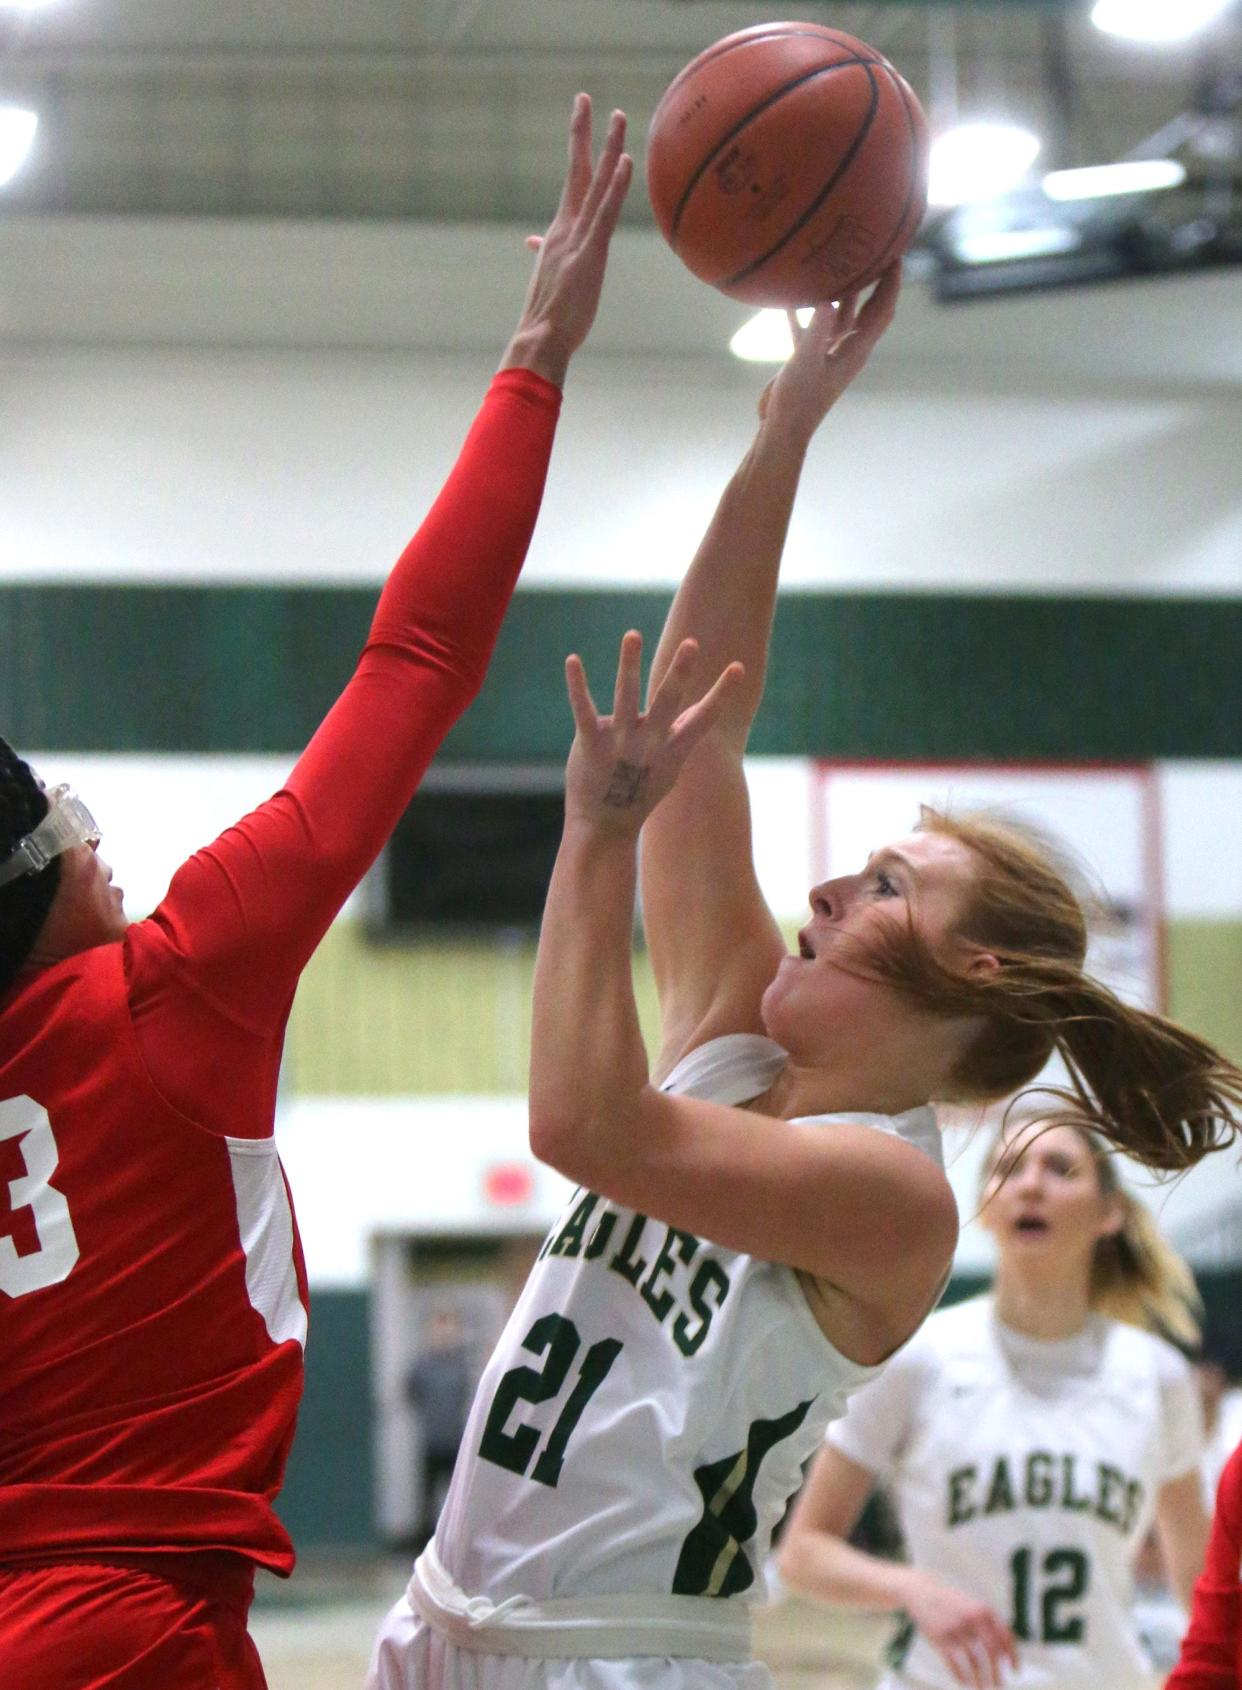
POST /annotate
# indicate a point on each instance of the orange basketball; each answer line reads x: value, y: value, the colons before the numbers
x: 787, y: 164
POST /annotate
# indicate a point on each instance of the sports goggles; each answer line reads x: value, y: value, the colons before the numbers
x: 68, y: 823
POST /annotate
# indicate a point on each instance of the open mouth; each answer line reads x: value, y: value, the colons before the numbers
x: 804, y: 948
x: 1031, y: 1224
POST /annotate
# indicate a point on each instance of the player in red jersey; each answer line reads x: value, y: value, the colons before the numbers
x: 1211, y: 1657
x: 152, y: 1290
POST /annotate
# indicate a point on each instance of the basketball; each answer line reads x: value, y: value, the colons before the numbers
x: 788, y: 164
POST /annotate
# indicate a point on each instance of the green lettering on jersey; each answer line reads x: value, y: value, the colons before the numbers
x: 685, y: 1244
x: 1040, y: 1465
x: 1111, y: 1498
x: 710, y: 1276
x: 1000, y: 1492
x: 625, y: 1262
x: 598, y: 1241
x: 1134, y: 1501
x: 1070, y: 1497
x: 712, y: 1560
x: 962, y: 1505
x: 569, y: 1239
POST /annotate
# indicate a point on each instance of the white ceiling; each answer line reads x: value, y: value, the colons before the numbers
x: 454, y: 109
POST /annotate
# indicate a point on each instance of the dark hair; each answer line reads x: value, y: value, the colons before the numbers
x: 1136, y: 1274
x: 24, y: 903
x: 1146, y: 1085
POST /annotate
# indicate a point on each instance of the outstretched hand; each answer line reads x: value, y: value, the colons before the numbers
x: 621, y: 765
x: 564, y: 290
x: 828, y: 353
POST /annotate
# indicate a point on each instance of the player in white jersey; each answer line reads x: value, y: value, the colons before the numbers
x: 1029, y: 1440
x: 762, y: 1217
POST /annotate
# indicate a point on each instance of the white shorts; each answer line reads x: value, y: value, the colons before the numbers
x: 409, y: 1655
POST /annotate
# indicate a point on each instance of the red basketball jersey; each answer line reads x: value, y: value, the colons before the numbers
x: 152, y: 1289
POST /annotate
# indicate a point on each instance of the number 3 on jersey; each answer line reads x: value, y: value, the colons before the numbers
x: 24, y: 1120
x: 557, y: 1340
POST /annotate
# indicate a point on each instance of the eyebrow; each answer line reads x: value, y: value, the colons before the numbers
x: 887, y: 855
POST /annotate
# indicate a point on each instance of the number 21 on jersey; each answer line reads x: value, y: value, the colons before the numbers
x: 25, y: 1124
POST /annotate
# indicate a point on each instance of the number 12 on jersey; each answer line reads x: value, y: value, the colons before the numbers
x: 557, y: 1340
x: 1063, y: 1575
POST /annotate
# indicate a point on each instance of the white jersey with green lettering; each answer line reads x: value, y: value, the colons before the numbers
x: 1025, y: 1472
x: 648, y: 1411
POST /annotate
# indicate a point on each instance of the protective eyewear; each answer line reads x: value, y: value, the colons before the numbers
x: 68, y: 823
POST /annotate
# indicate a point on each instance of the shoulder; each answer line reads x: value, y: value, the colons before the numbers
x: 1139, y: 1349
x: 730, y: 1069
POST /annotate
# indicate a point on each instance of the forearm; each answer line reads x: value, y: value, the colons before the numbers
x: 588, y: 1066
x: 728, y: 596
x: 826, y: 1567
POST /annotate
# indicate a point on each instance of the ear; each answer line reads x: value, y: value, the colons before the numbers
x: 983, y: 965
x: 1113, y: 1220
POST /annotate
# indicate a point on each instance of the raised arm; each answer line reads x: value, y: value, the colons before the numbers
x: 713, y: 943
x: 243, y: 916
x: 828, y: 1204
x: 1210, y: 1649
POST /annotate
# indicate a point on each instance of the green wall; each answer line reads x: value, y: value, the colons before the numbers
x: 934, y: 675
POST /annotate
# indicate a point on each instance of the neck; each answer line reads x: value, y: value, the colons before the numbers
x: 1050, y: 1303
x: 816, y: 1091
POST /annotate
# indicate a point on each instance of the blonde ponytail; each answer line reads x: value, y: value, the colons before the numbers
x: 1136, y: 1274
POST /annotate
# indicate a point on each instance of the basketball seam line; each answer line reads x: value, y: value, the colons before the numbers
x: 709, y: 55
x: 749, y: 270
x: 754, y: 112
x: 905, y: 210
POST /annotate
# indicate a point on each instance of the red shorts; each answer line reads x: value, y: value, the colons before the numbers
x: 98, y: 1627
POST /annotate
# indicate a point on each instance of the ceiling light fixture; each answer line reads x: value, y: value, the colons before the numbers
x: 17, y: 130
x: 1156, y: 20
x: 1128, y: 176
x: 977, y: 161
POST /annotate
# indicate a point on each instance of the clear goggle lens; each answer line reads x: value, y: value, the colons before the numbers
x: 68, y: 823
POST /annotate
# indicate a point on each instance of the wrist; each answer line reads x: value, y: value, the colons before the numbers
x: 787, y: 432
x: 535, y: 347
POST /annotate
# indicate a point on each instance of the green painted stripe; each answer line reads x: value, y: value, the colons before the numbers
x: 252, y: 669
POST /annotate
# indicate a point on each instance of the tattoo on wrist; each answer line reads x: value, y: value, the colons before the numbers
x: 626, y: 785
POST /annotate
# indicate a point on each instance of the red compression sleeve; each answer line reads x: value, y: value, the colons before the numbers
x: 242, y: 916
x: 1211, y: 1657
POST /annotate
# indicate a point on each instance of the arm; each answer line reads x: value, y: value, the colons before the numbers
x: 826, y: 1203
x: 816, y: 1560
x: 1183, y: 1528
x: 243, y: 916
x: 713, y: 942
x: 1210, y: 1649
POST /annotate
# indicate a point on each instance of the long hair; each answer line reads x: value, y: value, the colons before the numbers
x: 1146, y: 1085
x: 1136, y: 1274
x: 24, y: 903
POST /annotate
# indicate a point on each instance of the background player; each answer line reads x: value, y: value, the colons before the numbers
x: 647, y: 1412
x: 152, y: 1295
x: 1028, y: 1438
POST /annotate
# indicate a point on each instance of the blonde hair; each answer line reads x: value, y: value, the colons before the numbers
x: 1136, y: 1274
x: 1160, y: 1093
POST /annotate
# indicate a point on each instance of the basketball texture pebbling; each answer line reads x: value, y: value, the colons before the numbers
x: 788, y: 164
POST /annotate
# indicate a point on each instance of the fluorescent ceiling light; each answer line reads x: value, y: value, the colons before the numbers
x: 765, y: 337
x: 1130, y: 176
x: 999, y: 246
x: 1155, y: 20
x: 17, y: 128
x: 977, y: 161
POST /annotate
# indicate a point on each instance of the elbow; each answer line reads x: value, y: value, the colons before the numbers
x: 791, y: 1562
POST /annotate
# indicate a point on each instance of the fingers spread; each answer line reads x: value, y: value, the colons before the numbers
x: 609, y: 209
x: 578, y: 175
x: 604, y: 170
x: 665, y: 702
x: 629, y: 678
x: 586, y: 716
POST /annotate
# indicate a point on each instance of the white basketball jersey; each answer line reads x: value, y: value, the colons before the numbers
x: 651, y: 1403
x: 1025, y: 1472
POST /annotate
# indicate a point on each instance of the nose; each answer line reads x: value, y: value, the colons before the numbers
x: 823, y: 900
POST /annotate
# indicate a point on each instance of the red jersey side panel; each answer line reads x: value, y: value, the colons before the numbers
x: 153, y: 1365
